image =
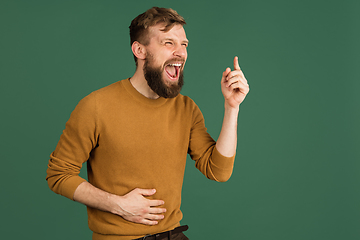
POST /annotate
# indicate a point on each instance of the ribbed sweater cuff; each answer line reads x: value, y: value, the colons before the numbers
x: 222, y: 162
x: 69, y: 187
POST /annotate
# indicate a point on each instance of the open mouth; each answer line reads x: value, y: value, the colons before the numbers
x: 173, y: 70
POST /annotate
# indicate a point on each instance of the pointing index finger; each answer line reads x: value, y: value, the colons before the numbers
x: 236, y: 63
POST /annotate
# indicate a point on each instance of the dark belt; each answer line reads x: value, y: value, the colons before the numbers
x: 159, y: 236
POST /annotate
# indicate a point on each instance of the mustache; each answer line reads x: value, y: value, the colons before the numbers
x: 177, y: 60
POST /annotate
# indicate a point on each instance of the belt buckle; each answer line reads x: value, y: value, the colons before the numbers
x: 144, y: 238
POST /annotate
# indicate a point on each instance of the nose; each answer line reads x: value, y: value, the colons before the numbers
x: 181, y: 51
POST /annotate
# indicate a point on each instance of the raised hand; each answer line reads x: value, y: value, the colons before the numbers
x: 234, y: 85
x: 136, y: 208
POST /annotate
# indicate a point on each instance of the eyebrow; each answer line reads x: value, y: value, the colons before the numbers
x: 171, y: 39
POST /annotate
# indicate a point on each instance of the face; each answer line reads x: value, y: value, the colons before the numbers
x: 166, y: 55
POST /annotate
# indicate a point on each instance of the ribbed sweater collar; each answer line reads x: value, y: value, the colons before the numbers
x: 141, y: 98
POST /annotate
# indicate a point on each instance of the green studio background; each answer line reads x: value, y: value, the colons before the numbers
x: 296, y: 174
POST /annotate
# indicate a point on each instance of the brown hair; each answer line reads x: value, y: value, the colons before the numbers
x: 139, y: 25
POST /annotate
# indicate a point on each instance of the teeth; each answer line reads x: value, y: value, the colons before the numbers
x: 175, y: 64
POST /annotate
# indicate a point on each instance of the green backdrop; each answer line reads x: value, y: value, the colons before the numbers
x: 296, y: 174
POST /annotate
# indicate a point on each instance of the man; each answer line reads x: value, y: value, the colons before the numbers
x: 135, y: 135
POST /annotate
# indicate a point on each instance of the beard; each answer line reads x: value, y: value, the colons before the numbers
x: 156, y: 82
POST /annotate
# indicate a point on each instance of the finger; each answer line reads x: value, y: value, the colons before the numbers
x: 157, y: 210
x: 236, y: 63
x: 148, y: 222
x: 233, y: 85
x: 225, y: 73
x: 234, y: 74
x: 244, y: 81
x: 238, y: 78
x: 239, y: 85
x: 142, y: 220
x: 155, y: 203
x: 154, y: 216
x: 235, y: 78
x: 146, y: 192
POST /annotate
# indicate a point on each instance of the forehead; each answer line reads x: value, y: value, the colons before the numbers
x: 176, y: 32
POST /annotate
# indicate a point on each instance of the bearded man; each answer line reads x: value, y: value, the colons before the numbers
x: 135, y: 135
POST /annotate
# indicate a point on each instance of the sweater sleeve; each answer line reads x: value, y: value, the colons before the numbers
x: 73, y: 149
x: 202, y: 149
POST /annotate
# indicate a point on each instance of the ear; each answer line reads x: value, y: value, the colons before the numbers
x: 138, y: 50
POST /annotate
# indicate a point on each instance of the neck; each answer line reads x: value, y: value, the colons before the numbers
x: 139, y: 82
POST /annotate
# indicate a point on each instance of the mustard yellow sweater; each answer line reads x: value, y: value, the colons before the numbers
x: 131, y: 141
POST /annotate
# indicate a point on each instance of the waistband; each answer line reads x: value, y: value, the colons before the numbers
x: 162, y: 235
